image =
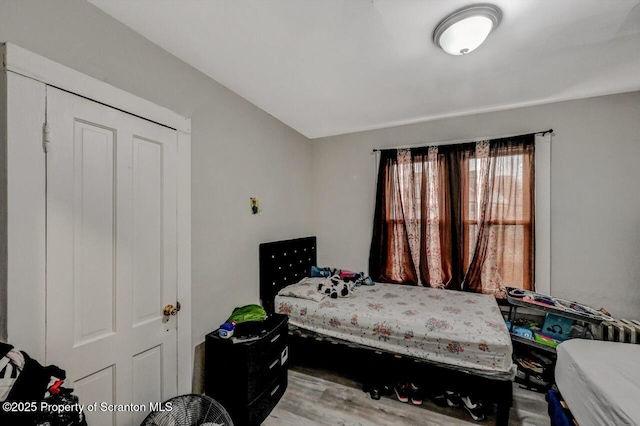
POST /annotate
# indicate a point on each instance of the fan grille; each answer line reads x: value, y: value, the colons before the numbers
x: 189, y: 410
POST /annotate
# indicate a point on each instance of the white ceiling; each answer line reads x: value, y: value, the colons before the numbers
x: 327, y: 67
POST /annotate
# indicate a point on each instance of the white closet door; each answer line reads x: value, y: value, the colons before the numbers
x: 111, y: 255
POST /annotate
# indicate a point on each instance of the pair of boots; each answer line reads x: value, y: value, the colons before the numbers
x: 453, y: 399
x: 406, y: 391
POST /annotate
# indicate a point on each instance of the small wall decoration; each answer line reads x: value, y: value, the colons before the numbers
x: 255, y: 206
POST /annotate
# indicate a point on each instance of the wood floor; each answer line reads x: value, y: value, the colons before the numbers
x: 319, y: 397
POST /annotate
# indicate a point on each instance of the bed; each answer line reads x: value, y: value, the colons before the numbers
x: 450, y: 327
x: 457, y: 336
x: 600, y: 381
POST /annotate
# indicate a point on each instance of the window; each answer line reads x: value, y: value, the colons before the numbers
x: 456, y: 216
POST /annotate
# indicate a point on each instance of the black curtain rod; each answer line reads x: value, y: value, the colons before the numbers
x: 513, y: 136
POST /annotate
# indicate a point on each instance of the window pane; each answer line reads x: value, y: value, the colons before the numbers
x: 508, y: 199
x: 505, y: 252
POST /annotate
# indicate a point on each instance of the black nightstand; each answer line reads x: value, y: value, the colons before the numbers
x: 248, y: 377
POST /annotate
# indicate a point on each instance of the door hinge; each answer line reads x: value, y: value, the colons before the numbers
x: 46, y: 137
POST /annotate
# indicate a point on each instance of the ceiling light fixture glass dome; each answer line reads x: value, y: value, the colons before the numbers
x: 466, y: 29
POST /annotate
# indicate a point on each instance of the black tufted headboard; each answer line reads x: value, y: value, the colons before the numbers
x: 283, y: 263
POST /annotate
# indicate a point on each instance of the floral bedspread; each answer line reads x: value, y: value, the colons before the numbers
x: 452, y: 327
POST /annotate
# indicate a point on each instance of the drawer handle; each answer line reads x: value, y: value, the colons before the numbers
x: 275, y: 338
x: 273, y: 364
x: 275, y: 390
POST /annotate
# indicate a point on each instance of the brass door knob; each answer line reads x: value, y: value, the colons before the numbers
x: 171, y: 310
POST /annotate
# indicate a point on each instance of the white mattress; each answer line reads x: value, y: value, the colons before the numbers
x: 464, y: 330
x: 600, y: 381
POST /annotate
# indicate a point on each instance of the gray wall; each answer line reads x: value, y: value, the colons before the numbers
x: 238, y: 150
x: 595, y: 191
x: 241, y: 153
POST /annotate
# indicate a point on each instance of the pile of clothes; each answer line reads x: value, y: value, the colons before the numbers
x: 31, y: 394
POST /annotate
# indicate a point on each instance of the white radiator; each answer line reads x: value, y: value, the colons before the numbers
x: 622, y: 330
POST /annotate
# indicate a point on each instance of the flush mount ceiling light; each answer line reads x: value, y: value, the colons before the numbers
x: 464, y: 30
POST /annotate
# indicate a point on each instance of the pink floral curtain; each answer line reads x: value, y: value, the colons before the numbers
x: 501, y: 217
x: 415, y: 220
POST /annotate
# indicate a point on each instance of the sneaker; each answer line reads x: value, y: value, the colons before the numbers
x: 417, y: 394
x: 448, y: 399
x: 375, y: 393
x: 474, y: 408
x: 402, y: 391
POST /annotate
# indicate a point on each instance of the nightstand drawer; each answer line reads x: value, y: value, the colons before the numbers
x: 261, y: 407
x: 258, y: 381
x: 262, y: 354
